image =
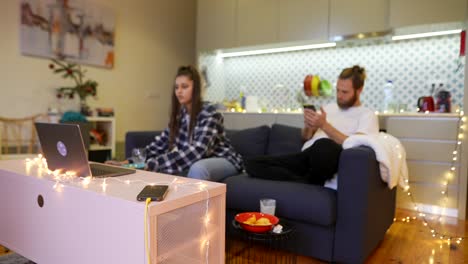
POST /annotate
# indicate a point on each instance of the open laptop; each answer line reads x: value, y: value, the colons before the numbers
x: 63, y: 147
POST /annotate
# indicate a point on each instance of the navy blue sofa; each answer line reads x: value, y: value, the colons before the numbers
x: 342, y: 226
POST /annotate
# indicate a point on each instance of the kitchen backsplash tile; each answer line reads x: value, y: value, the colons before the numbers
x: 411, y: 64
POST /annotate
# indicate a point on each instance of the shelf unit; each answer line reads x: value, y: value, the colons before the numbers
x: 106, y: 124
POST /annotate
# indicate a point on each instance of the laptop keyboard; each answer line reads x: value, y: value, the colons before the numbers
x: 101, y: 170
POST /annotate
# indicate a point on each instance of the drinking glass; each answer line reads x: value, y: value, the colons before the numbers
x: 268, y: 206
x: 139, y: 155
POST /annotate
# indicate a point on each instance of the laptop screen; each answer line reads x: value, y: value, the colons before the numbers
x: 63, y: 147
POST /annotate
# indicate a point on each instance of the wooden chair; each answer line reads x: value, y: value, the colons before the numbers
x: 18, y: 137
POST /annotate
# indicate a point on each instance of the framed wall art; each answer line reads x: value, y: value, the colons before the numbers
x: 74, y: 30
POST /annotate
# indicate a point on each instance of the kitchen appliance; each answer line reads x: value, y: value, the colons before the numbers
x: 426, y: 103
x: 443, y: 101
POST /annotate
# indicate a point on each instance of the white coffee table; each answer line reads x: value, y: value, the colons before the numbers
x: 103, y: 223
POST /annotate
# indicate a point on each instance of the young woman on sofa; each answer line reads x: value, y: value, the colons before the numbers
x: 195, y: 139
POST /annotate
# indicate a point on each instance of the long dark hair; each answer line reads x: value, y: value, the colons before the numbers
x: 174, y: 121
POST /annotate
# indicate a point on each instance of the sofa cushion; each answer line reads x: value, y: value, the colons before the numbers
x: 138, y: 139
x: 307, y: 203
x: 250, y: 142
x: 284, y: 140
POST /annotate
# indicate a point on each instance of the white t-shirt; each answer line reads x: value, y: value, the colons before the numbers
x: 354, y: 120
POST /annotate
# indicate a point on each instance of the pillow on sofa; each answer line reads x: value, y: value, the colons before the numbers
x: 250, y: 142
x: 284, y: 140
x: 138, y: 139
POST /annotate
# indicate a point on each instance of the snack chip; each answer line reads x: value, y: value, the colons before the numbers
x: 263, y: 221
x: 251, y: 220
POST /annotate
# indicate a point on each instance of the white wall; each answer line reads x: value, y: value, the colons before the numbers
x: 153, y: 37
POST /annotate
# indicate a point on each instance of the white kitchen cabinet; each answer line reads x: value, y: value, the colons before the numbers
x: 358, y: 16
x: 301, y: 20
x: 419, y: 12
x: 216, y: 24
x: 429, y: 141
x: 257, y: 22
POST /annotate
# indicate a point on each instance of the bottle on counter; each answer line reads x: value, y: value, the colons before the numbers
x: 389, y: 105
x: 242, y: 97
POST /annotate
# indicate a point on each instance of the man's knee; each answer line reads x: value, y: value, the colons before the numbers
x: 326, y: 142
x: 324, y: 146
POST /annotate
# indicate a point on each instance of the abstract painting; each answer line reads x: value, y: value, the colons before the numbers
x: 74, y: 30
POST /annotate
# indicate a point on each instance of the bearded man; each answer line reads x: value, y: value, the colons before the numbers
x: 324, y: 132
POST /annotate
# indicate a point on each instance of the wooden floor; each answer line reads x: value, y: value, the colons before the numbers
x: 407, y: 243
x: 413, y: 242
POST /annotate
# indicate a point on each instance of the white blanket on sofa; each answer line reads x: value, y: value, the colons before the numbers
x: 390, y: 154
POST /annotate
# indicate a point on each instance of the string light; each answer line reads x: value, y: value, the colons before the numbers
x: 86, y: 181
x: 448, y: 177
x: 104, y: 185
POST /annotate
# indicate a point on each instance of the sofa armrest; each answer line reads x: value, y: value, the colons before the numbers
x: 365, y: 206
x: 138, y: 139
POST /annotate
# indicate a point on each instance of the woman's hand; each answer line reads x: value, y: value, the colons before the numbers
x: 116, y: 163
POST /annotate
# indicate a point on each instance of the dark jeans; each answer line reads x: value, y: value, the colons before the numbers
x: 314, y: 165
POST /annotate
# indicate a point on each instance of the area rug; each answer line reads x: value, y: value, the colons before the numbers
x: 13, y: 258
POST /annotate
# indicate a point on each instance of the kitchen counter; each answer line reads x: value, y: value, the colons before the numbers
x: 238, y: 120
x: 416, y: 114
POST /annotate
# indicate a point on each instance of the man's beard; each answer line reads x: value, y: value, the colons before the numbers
x: 347, y: 104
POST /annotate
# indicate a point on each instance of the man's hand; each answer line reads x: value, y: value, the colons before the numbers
x: 313, y: 119
x: 309, y: 128
x: 326, y: 127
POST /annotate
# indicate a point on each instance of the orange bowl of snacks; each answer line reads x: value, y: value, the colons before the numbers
x: 256, y: 222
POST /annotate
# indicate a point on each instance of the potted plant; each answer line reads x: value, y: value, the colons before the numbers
x: 83, y: 88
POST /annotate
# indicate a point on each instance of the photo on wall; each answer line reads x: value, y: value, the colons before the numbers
x: 74, y: 30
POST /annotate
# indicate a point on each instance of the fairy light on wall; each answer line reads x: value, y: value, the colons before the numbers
x: 59, y: 178
x: 444, y: 191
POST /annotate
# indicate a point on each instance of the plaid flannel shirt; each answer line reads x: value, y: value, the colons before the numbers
x: 208, y: 140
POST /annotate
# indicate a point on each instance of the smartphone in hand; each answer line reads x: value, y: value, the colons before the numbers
x: 309, y: 106
x: 155, y: 192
